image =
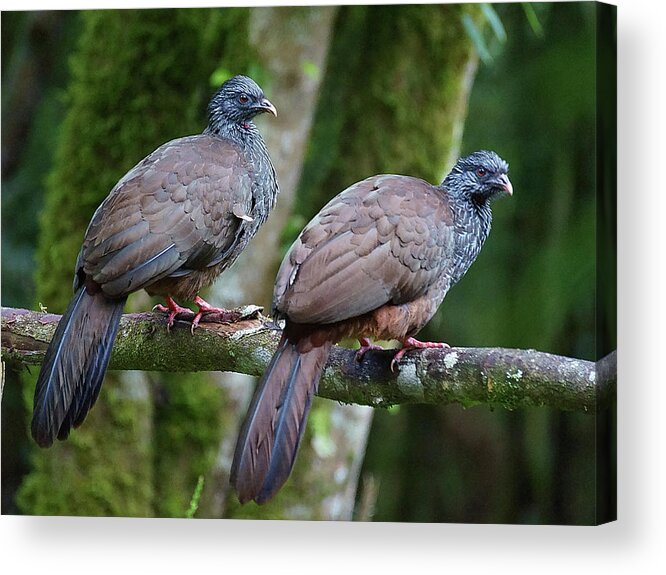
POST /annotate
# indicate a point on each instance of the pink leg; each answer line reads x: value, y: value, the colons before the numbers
x: 366, y: 346
x: 205, y: 307
x: 173, y: 309
x: 411, y: 343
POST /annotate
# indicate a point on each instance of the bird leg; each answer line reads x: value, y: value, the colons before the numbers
x: 205, y: 307
x: 173, y: 309
x: 366, y: 346
x: 411, y: 343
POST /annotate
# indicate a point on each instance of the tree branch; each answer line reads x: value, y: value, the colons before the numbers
x: 508, y: 378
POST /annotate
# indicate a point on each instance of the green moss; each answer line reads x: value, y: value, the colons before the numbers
x: 188, y: 425
x: 101, y: 469
x: 138, y: 78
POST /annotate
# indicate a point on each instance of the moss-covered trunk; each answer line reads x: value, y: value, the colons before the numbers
x: 138, y: 79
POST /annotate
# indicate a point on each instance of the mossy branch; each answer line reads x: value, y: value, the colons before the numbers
x: 508, y: 378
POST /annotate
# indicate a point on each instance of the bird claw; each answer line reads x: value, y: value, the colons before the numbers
x: 173, y: 309
x: 366, y: 346
x: 195, y: 322
x: 229, y: 316
x: 411, y: 343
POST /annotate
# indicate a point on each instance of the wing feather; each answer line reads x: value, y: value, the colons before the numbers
x: 375, y: 243
x: 171, y: 214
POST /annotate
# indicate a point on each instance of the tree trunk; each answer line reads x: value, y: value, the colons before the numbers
x: 394, y: 100
x: 138, y: 79
x: 290, y: 46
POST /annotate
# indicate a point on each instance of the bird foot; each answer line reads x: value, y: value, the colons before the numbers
x: 173, y: 309
x: 228, y: 316
x: 411, y: 343
x: 366, y: 346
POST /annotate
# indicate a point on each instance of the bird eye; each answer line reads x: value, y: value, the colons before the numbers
x: 481, y: 172
x: 243, y: 99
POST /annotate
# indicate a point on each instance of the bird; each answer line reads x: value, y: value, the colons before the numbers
x: 375, y: 262
x: 170, y: 226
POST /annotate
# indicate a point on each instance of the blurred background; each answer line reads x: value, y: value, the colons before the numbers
x: 360, y: 90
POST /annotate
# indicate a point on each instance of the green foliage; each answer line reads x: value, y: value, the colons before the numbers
x: 25, y: 53
x: 533, y: 19
x: 494, y: 21
x: 476, y: 35
x: 196, y: 496
x: 21, y: 200
x: 487, y: 32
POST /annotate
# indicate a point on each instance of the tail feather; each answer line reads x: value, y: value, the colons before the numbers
x: 274, y: 426
x: 74, y: 365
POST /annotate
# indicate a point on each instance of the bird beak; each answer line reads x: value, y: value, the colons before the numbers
x: 503, y: 182
x: 266, y: 106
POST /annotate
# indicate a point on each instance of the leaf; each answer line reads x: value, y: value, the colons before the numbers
x: 533, y: 19
x: 196, y: 496
x: 494, y: 21
x: 477, y: 39
x: 219, y: 76
x: 310, y: 69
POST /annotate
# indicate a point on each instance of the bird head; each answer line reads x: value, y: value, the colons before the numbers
x: 238, y: 100
x: 481, y: 176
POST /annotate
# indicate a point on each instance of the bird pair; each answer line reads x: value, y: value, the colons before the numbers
x: 375, y: 262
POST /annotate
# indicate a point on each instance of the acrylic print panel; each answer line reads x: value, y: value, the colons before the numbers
x: 515, y: 423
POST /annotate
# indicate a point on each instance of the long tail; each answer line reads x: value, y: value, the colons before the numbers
x: 74, y: 365
x: 274, y: 425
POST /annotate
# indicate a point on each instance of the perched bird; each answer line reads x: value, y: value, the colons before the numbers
x: 170, y: 226
x: 376, y: 261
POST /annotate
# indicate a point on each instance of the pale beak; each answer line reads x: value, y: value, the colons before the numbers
x: 504, y: 182
x: 266, y: 106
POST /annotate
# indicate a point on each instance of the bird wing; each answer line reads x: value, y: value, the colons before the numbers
x: 384, y: 240
x: 177, y: 211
